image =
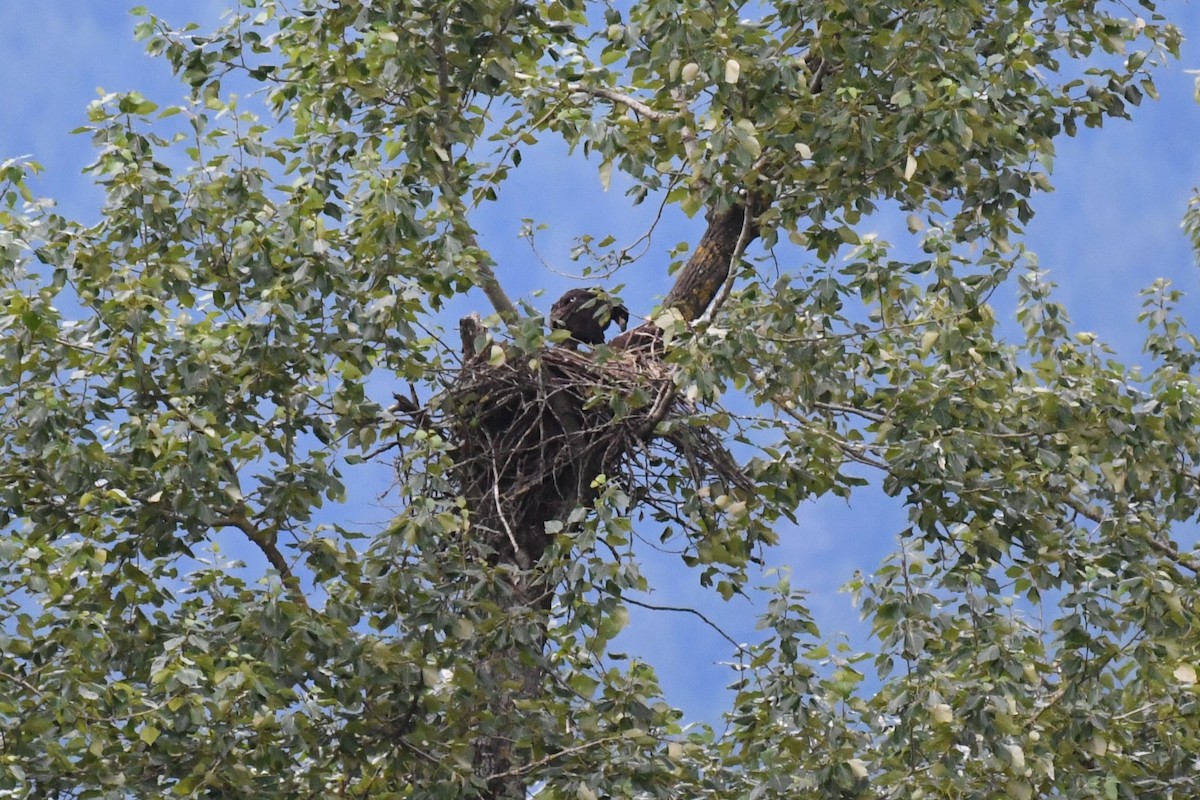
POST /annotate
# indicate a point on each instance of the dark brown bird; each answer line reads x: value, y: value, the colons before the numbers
x: 586, y: 313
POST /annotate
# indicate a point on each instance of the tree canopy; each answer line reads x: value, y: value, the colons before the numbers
x: 265, y: 311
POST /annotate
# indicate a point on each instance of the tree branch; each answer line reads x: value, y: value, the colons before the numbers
x: 743, y: 240
x: 528, y: 767
x: 265, y: 542
x: 495, y: 293
x: 686, y: 610
x: 1162, y: 548
x: 623, y: 99
x: 702, y: 278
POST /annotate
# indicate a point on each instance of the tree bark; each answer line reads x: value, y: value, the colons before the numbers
x: 708, y: 268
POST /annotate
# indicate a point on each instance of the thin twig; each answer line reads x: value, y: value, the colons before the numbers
x: 686, y: 610
x: 843, y: 409
x: 851, y: 451
x: 26, y: 685
x: 691, y: 144
x: 518, y: 554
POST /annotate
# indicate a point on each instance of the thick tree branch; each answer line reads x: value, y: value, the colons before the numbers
x: 496, y: 295
x: 704, y: 275
x: 739, y: 247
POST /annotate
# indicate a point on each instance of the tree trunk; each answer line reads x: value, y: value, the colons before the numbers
x: 514, y: 528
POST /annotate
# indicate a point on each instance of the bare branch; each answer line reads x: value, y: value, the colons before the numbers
x: 526, y: 768
x: 521, y: 558
x: 687, y: 610
x: 844, y: 409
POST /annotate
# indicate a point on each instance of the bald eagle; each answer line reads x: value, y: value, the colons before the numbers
x: 586, y: 313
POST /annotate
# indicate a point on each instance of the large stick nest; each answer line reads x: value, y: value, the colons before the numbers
x: 534, y: 431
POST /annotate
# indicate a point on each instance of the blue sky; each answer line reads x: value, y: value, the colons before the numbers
x: 1110, y: 228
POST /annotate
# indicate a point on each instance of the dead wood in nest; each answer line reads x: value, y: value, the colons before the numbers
x: 533, y: 431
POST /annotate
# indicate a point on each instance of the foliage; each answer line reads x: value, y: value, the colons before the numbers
x: 210, y: 357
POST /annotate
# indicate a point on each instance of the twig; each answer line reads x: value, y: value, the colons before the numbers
x: 1134, y: 712
x: 662, y: 405
x: 686, y: 610
x: 383, y: 448
x: 851, y: 451
x: 843, y: 409
x: 691, y: 144
x: 24, y: 684
x: 518, y: 554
